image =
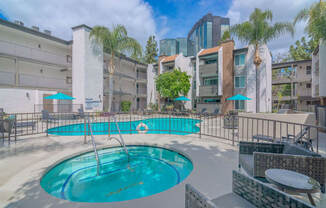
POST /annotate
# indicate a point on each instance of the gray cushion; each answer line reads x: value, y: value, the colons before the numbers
x: 293, y: 149
x: 247, y: 163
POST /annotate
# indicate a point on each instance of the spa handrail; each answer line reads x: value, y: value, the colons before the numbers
x: 98, y: 163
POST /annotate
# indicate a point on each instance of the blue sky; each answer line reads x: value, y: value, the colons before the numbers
x: 180, y: 15
x: 2, y: 16
x: 142, y: 18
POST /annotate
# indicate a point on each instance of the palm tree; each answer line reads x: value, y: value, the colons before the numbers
x: 316, y: 18
x: 114, y: 42
x: 259, y: 31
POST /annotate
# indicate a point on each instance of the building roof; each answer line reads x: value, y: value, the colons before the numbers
x: 209, y: 51
x: 33, y: 32
x: 283, y: 64
x: 169, y: 58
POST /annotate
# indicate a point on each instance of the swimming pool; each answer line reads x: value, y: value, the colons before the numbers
x: 180, y: 126
x: 150, y: 170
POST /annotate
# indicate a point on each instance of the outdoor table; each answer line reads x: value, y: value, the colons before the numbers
x: 293, y: 181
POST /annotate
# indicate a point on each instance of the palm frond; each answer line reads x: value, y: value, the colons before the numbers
x: 302, y: 15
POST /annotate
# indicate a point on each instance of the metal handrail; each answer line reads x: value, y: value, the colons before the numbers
x: 121, y: 141
x: 98, y: 163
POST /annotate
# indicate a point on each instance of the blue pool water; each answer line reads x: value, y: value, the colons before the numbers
x: 180, y: 126
x: 150, y: 170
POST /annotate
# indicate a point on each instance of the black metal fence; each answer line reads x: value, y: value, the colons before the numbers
x: 231, y: 128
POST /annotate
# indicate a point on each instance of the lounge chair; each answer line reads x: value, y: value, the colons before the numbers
x: 299, y: 139
x: 255, y: 158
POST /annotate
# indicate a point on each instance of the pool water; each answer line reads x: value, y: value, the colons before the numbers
x: 180, y: 126
x: 150, y: 170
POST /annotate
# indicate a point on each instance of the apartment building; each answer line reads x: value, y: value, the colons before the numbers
x: 319, y: 73
x: 292, y: 86
x: 35, y: 64
x: 219, y: 73
x: 166, y: 64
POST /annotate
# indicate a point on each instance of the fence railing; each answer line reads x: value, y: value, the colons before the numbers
x: 231, y: 128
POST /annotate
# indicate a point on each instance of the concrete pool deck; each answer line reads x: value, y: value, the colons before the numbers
x: 23, y: 163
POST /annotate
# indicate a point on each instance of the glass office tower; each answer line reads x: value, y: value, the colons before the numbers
x: 206, y: 33
x: 170, y: 47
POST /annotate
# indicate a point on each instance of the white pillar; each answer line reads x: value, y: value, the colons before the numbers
x: 87, y: 70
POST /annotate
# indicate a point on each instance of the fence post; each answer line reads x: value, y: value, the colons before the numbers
x: 130, y: 121
x: 232, y: 118
x: 200, y: 125
x: 274, y: 130
x: 85, y: 135
x: 169, y: 122
x: 47, y: 126
x: 15, y: 127
x: 109, y: 127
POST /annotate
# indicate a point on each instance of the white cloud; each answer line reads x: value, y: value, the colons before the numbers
x: 283, y: 10
x: 59, y: 16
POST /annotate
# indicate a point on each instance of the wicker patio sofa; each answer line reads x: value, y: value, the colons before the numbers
x: 255, y: 158
x: 246, y: 192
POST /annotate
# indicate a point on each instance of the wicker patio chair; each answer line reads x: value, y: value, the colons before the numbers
x: 263, y: 195
x: 195, y: 199
x: 6, y: 126
x: 255, y: 158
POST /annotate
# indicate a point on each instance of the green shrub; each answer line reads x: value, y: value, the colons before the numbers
x: 125, y: 106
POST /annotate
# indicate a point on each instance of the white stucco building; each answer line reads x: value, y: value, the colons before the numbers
x: 35, y: 64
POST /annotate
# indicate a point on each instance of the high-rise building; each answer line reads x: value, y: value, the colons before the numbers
x: 170, y: 47
x: 206, y: 33
x: 182, y: 46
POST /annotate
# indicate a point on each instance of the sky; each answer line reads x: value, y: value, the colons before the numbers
x: 142, y: 18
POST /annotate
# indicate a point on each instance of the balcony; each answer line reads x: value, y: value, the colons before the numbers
x: 32, y: 53
x: 208, y: 91
x: 208, y: 69
x: 141, y: 92
x: 141, y: 77
x: 27, y: 80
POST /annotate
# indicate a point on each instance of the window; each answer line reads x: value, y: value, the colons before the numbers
x: 308, y: 85
x: 208, y: 81
x: 194, y: 85
x: 239, y: 105
x: 240, y: 82
x: 211, y: 61
x: 211, y: 100
x: 308, y: 70
x: 239, y: 60
x: 68, y: 59
x: 68, y: 80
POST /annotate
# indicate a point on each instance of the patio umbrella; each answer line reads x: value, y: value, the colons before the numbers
x: 238, y: 97
x: 182, y: 98
x: 59, y: 96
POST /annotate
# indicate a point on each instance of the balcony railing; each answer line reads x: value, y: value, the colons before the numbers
x: 32, y: 53
x: 210, y: 90
x: 208, y: 69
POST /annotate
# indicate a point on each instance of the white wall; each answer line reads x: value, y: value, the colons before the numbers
x: 264, y: 81
x: 322, y: 68
x: 185, y: 65
x: 151, y: 92
x: 87, y: 70
x: 21, y: 100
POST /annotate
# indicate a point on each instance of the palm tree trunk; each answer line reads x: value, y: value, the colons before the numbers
x: 257, y: 62
x: 111, y: 73
x: 158, y: 94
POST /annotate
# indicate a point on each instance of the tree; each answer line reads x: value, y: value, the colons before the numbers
x: 258, y: 31
x: 316, y: 19
x: 151, y: 50
x: 226, y: 36
x: 115, y: 41
x: 173, y: 84
x: 302, y: 50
